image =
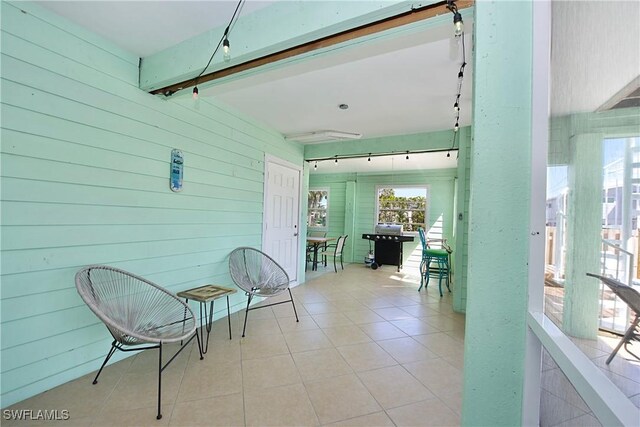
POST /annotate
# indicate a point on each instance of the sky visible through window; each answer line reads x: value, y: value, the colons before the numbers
x: 409, y: 192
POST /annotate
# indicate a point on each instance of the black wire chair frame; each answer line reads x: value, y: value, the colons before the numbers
x: 136, y: 312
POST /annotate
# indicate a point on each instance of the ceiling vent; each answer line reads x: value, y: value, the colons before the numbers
x: 628, y: 97
x: 322, y: 136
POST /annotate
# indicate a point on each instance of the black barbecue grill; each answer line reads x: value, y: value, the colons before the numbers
x: 388, y: 240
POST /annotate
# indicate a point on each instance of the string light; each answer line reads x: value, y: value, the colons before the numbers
x: 226, y: 48
x: 458, y: 32
x: 336, y: 162
x: 224, y: 41
x: 407, y: 155
x: 315, y: 167
x: 369, y: 159
x: 458, y: 24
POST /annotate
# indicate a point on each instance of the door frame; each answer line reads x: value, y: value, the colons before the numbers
x: 271, y: 159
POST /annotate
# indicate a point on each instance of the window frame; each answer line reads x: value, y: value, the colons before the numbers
x: 427, y: 189
x: 309, y: 210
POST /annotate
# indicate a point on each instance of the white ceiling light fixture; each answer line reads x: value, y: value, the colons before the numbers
x: 322, y: 136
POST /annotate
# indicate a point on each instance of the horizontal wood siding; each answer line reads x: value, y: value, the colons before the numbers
x: 441, y: 196
x: 85, y: 180
x: 440, y: 204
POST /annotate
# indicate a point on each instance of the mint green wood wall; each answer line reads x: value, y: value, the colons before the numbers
x: 365, y: 189
x: 441, y: 197
x: 85, y: 163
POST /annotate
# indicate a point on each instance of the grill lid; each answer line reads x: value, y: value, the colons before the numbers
x: 390, y: 229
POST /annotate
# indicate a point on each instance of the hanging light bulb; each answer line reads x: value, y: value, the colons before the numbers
x: 407, y: 155
x: 458, y: 24
x: 369, y: 159
x: 448, y: 154
x: 195, y: 92
x: 456, y: 107
x: 336, y: 161
x: 456, y: 127
x: 315, y: 167
x: 226, y: 47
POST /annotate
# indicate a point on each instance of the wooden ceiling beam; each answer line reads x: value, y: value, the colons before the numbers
x: 405, y: 18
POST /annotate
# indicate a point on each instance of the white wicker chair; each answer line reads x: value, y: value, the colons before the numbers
x: 258, y: 275
x: 136, y: 312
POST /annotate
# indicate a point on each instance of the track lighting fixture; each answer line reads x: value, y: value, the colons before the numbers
x: 368, y: 156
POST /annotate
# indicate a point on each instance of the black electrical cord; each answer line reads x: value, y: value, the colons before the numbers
x: 454, y: 9
x: 224, y: 36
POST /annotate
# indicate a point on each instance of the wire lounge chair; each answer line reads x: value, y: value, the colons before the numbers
x: 632, y: 298
x: 137, y: 313
x: 258, y: 275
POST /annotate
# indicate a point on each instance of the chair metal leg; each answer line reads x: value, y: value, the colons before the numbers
x: 341, y: 264
x: 246, y: 314
x: 294, y: 305
x: 160, y: 380
x: 111, y: 352
x: 335, y: 267
x: 625, y: 339
x: 423, y: 271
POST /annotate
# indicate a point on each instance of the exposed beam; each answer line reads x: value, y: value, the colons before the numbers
x: 411, y: 16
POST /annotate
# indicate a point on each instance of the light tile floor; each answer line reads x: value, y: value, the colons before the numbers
x: 369, y: 350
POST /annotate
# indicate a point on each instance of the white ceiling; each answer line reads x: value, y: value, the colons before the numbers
x: 147, y: 27
x: 393, y: 86
x: 398, y: 86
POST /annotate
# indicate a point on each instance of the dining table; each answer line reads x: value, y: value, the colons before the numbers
x: 316, y: 242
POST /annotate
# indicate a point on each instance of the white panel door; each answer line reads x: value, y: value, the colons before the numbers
x: 281, y: 212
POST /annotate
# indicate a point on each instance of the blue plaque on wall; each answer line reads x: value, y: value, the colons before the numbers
x: 177, y: 163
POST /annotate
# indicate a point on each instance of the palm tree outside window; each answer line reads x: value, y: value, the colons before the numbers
x: 318, y: 209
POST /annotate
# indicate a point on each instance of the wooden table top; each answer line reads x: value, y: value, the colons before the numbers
x: 206, y: 293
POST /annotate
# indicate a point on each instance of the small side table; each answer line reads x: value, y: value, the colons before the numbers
x: 204, y: 294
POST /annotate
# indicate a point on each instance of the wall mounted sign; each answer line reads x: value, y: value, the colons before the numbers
x: 177, y: 163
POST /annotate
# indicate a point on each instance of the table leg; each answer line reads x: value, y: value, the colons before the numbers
x: 316, y: 246
x: 208, y: 318
x: 229, y: 316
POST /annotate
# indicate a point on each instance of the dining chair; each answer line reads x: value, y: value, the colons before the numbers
x: 335, y: 251
x: 435, y: 261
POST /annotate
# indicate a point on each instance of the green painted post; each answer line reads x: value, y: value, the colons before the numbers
x: 350, y: 220
x: 584, y: 228
x: 499, y: 215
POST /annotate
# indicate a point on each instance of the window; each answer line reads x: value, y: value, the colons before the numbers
x: 406, y: 205
x: 318, y: 212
